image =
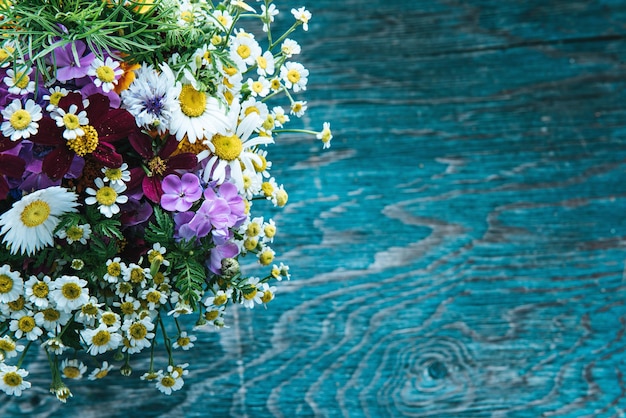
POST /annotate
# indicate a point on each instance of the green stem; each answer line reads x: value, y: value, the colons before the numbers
x: 23, y: 356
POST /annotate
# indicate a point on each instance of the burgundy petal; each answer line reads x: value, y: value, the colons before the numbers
x: 57, y: 162
x: 117, y: 124
x: 185, y: 161
x: 48, y: 133
x: 6, y: 143
x: 12, y: 166
x: 169, y: 147
x: 142, y: 143
x: 71, y: 99
x: 152, y: 188
x: 4, y: 188
x: 106, y: 154
x: 97, y: 109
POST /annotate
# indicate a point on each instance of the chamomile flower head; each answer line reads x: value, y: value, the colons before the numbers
x: 265, y: 64
x: 224, y: 19
x: 37, y: 291
x: 100, y: 372
x: 19, y: 82
x: 136, y: 275
x: 153, y: 297
x: 298, y: 108
x: 267, y: 15
x: 73, y: 369
x: 302, y: 15
x: 138, y: 332
x: 294, y: 75
x: 184, y: 341
x: 108, y: 197
x: 259, y: 87
x: 70, y: 293
x: 110, y: 319
x: 244, y: 50
x: 11, y: 284
x: 89, y: 312
x: 105, y: 73
x: 326, y: 135
x: 75, y: 233
x: 152, y: 97
x: 280, y: 118
x: 251, y: 183
x: 101, y: 339
x: 219, y: 298
x: 73, y: 121
x: 232, y: 148
x: 52, y: 318
x: 12, y: 380
x: 9, y: 348
x: 54, y: 344
x: 115, y: 267
x: 119, y: 176
x: 269, y: 231
x: 268, y: 292
x: 29, y: 225
x: 198, y: 116
x: 252, y: 293
x: 25, y: 326
x: 21, y: 122
x: 290, y: 48
x: 54, y: 96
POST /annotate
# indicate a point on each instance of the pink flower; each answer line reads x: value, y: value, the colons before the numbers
x: 179, y: 194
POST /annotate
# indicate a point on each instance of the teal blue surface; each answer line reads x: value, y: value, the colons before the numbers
x: 458, y: 252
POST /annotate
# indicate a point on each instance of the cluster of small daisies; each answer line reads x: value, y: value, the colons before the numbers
x: 127, y: 186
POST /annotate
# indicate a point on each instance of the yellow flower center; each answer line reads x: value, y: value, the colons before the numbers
x: 12, y: 379
x: 187, y: 16
x: 275, y: 84
x: 252, y: 109
x: 257, y: 86
x: 270, y: 231
x: 211, y: 315
x: 138, y: 331
x: 223, y: 21
x: 183, y: 341
x: 227, y: 147
x: 260, y: 168
x: 101, y: 338
x: 158, y: 278
x: 26, y: 323
x: 153, y: 297
x: 101, y: 374
x: 220, y: 299
x: 125, y: 288
x: 86, y: 144
x: 267, y: 296
x: 253, y: 229
x: 127, y: 308
x: 192, y: 101
x: 266, y: 258
x: 35, y: 213
x: 296, y: 107
x: 5, y: 53
x: 51, y: 315
x: 251, y: 294
x: 56, y: 97
x: 281, y: 198
x: 21, y: 80
x: 71, y: 291
x: 261, y: 62
x: 267, y: 188
x: 71, y: 372
x: 6, y: 346
x: 40, y: 289
x: 137, y: 275
x: 74, y: 232
x: 113, y: 174
x: 231, y: 71
x: 18, y: 304
x: 71, y: 121
x: 20, y: 119
x: 105, y: 73
x: 250, y: 244
x: 243, y: 51
x: 114, y: 269
x: 293, y: 76
x: 157, y: 166
x: 106, y: 196
x: 168, y: 381
x: 108, y: 319
x: 89, y: 309
x: 229, y: 96
x: 6, y: 283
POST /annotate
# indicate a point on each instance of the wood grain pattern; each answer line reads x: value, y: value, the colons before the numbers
x: 459, y: 251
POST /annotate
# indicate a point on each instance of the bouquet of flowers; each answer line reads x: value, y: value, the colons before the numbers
x: 133, y: 144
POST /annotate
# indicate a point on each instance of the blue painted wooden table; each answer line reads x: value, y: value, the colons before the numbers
x: 458, y: 252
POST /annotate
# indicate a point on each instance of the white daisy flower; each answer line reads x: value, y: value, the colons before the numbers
x: 21, y: 123
x: 11, y: 284
x: 269, y: 231
x: 106, y: 73
x: 19, y: 82
x: 29, y: 225
x: 167, y: 383
x: 9, y: 348
x: 252, y: 294
x: 153, y: 297
x: 252, y: 105
x: 298, y: 108
x: 115, y: 267
x: 251, y: 183
x: 73, y: 369
x: 259, y: 87
x: 138, y: 333
x: 232, y: 148
x: 326, y: 135
x: 294, y: 75
x: 265, y: 255
x: 54, y: 96
x: 38, y: 291
x: 110, y: 319
x: 51, y: 318
x: 265, y: 64
x: 25, y: 326
x: 12, y: 380
x: 100, y: 372
x: 290, y: 48
x: 199, y: 115
x: 101, y: 339
x: 129, y: 307
x: 76, y: 233
x: 89, y: 312
x: 136, y: 275
x: 71, y: 121
x: 152, y: 97
x: 268, y: 14
x: 265, y: 166
x: 119, y: 175
x: 268, y: 292
x: 224, y: 18
x: 219, y: 298
x: 244, y: 50
x: 184, y: 341
x: 156, y: 253
x: 70, y: 293
x: 107, y: 197
x: 280, y: 118
x: 302, y: 15
x: 54, y: 344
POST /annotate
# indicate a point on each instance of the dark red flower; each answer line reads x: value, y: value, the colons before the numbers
x: 10, y: 166
x: 106, y: 126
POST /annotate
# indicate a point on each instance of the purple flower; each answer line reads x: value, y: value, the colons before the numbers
x: 65, y: 59
x: 179, y: 194
x: 181, y: 225
x: 228, y: 192
x: 212, y: 214
x: 220, y: 252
